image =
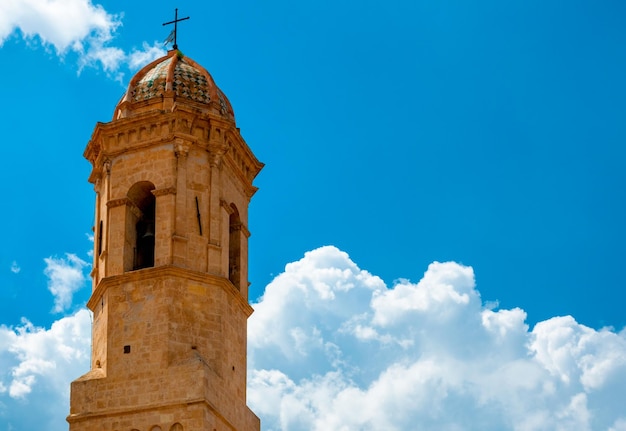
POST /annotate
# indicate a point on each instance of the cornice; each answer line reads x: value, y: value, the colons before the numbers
x: 201, y: 129
x: 237, y: 171
x: 173, y: 271
x: 74, y: 418
x: 251, y: 161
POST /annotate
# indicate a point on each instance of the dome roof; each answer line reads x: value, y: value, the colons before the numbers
x: 177, y: 78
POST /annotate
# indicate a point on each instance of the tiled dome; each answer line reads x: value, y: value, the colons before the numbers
x: 173, y: 76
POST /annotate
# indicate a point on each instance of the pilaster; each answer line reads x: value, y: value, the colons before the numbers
x: 165, y: 211
x: 215, y: 245
x: 116, y: 209
x: 180, y: 239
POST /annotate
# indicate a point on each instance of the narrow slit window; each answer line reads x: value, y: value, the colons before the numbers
x: 99, y: 238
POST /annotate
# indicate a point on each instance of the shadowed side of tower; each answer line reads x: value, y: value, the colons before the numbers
x: 173, y: 180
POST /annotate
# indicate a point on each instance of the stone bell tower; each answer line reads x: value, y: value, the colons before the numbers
x: 173, y: 180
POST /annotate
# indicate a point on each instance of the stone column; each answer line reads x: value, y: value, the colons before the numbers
x: 164, y: 227
x: 98, y: 236
x: 225, y: 211
x: 214, y: 252
x: 243, y: 250
x: 103, y: 213
x: 116, y: 209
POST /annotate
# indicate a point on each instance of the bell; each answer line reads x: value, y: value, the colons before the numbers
x: 149, y: 231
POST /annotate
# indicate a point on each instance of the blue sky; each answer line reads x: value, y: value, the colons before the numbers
x: 487, y: 133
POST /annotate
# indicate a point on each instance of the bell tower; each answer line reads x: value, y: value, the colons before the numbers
x: 173, y: 180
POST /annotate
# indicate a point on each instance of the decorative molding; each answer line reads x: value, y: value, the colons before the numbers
x: 107, y: 166
x: 134, y: 209
x: 156, y: 272
x: 164, y: 191
x: 181, y: 148
x: 250, y: 191
x: 226, y: 206
x: 244, y: 230
x: 117, y: 202
x: 113, y: 203
x: 241, y: 228
x: 215, y: 159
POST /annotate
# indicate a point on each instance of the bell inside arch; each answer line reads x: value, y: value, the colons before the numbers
x: 149, y: 232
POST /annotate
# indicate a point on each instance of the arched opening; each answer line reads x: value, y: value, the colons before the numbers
x: 140, y: 227
x: 234, y: 247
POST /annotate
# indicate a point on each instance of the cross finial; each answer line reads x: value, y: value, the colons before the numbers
x: 172, y: 36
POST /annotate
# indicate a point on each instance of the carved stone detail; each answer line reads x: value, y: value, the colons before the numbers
x: 181, y: 148
x: 215, y: 159
x: 244, y: 230
x: 226, y: 206
x: 107, y: 167
x: 117, y: 202
x: 165, y: 191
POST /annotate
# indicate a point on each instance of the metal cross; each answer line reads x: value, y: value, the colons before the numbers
x: 173, y: 33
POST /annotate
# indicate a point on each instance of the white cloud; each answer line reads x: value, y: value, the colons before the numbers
x: 15, y: 268
x: 36, y: 367
x: 577, y: 354
x: 331, y: 347
x: 141, y: 57
x: 65, y: 276
x: 76, y: 26
x: 61, y: 24
x: 46, y: 354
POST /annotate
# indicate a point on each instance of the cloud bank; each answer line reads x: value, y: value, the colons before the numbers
x: 331, y: 347
x: 76, y: 26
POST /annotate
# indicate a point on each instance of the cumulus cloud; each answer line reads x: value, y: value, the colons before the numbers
x: 65, y: 276
x: 76, y: 26
x: 36, y: 367
x: 332, y: 347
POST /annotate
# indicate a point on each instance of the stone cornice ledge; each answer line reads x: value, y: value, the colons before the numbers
x: 171, y: 270
x: 73, y: 418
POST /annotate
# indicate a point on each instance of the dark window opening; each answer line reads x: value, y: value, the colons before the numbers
x: 144, y: 231
x: 140, y: 227
x: 99, y: 238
